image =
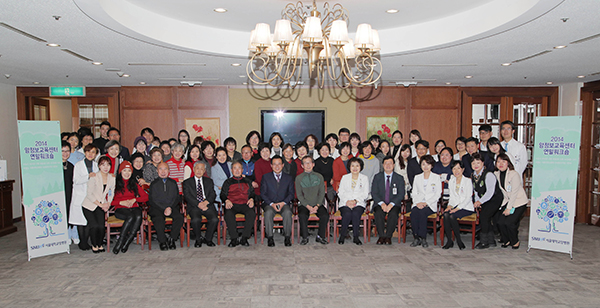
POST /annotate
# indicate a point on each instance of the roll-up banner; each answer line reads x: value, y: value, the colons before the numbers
x: 554, y: 183
x: 43, y: 188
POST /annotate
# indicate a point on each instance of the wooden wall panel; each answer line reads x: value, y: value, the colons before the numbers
x: 435, y: 124
x: 435, y: 97
x: 143, y: 97
x: 134, y: 120
x: 208, y: 97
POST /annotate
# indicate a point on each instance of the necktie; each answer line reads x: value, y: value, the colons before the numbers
x: 387, y: 190
x: 200, y: 195
x: 278, y: 177
x: 506, y: 146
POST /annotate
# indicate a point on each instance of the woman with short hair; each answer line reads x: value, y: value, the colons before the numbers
x: 275, y: 144
x: 289, y: 164
x: 340, y: 165
x: 427, y: 190
x: 332, y: 140
x: 253, y: 139
x: 150, y: 170
x: 460, y: 204
x: 177, y: 165
x: 221, y: 171
x: 488, y: 197
x: 353, y: 193
x: 311, y: 142
x: 324, y: 167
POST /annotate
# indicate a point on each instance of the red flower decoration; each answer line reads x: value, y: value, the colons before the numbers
x: 389, y: 135
x: 379, y: 132
x: 197, y: 128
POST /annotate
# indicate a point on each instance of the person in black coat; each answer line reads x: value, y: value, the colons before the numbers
x: 387, y: 191
x: 414, y: 164
x: 199, y: 194
x: 277, y: 193
x: 164, y: 202
x: 472, y: 145
x: 68, y: 177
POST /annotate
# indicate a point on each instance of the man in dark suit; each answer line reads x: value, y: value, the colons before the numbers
x: 277, y: 193
x: 414, y: 164
x: 472, y: 145
x: 164, y: 202
x: 387, y: 190
x: 199, y: 194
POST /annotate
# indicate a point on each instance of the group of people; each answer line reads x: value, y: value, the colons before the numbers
x: 178, y: 177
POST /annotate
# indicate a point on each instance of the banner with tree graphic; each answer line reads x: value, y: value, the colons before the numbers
x: 43, y: 188
x: 554, y: 183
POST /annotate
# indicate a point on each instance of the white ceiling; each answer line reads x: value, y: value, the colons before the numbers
x: 444, y: 54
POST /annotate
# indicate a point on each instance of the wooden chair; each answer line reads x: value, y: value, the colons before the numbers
x: 112, y: 222
x: 277, y: 219
x: 312, y: 218
x: 336, y: 219
x: 470, y: 222
x: 188, y: 220
x: 373, y: 228
x: 238, y: 218
x: 433, y: 218
x: 148, y: 224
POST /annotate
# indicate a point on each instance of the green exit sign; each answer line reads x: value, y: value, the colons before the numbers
x: 67, y: 91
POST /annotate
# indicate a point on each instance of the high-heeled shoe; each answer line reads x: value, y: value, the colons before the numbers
x: 95, y: 249
x: 516, y: 246
x: 341, y: 240
x: 505, y: 245
x: 448, y: 245
x: 461, y: 246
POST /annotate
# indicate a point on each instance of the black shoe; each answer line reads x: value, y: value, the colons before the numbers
x: 234, y: 242
x: 381, y: 241
x: 424, y: 243
x: 321, y: 240
x: 101, y: 249
x: 341, y: 240
x: 172, y: 245
x: 164, y: 246
x: 209, y: 243
x: 505, y: 245
x: 243, y: 242
x: 288, y: 242
x: 357, y: 241
x: 492, y: 244
x: 270, y: 242
x: 448, y: 245
x: 304, y: 241
x: 388, y: 241
x: 461, y: 246
x: 517, y: 245
x: 198, y: 243
x: 416, y: 242
x: 482, y: 246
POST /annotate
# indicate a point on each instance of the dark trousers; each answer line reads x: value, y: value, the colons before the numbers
x: 84, y: 237
x: 95, y: 225
x: 304, y: 213
x: 158, y: 219
x: 509, y: 225
x: 392, y: 220
x: 451, y: 224
x: 351, y: 215
x: 488, y: 211
x: 418, y: 218
x: 250, y: 217
x: 196, y: 222
x: 132, y: 220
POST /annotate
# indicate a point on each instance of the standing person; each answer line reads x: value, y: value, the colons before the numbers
x: 460, y: 204
x: 176, y: 165
x: 289, y: 164
x: 388, y: 192
x: 139, y: 146
x: 76, y: 156
x: 200, y: 196
x: 301, y: 150
x: 115, y: 134
x: 275, y: 144
x: 324, y: 166
x: 461, y: 147
x: 396, y: 145
x: 277, y: 193
x: 371, y: 164
x: 68, y: 177
x: 488, y: 197
x: 101, y: 141
x: 514, y: 147
x: 150, y: 170
x: 221, y: 171
x: 230, y: 144
x: 248, y: 165
x: 198, y: 141
x: 164, y: 202
x: 208, y: 156
x: 414, y: 164
x: 311, y: 194
x: 401, y: 166
x: 192, y: 157
x: 253, y: 139
x: 128, y: 195
x: 485, y: 132
x: 165, y: 146
x: 413, y: 137
x: 375, y: 140
x: 86, y: 138
x: 112, y: 152
x: 472, y: 148
x: 82, y: 172
x: 148, y: 135
x: 311, y: 142
x: 355, y: 144
x: 340, y: 165
x: 438, y: 146
x: 444, y: 169
x: 100, y: 192
x: 262, y: 166
x: 514, y: 203
x: 384, y: 150
x: 353, y: 193
x: 332, y: 140
x: 495, y: 148
x: 137, y: 173
x: 237, y: 194
x: 427, y: 190
x: 344, y: 135
x: 183, y: 138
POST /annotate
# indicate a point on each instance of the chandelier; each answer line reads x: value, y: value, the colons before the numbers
x: 318, y: 40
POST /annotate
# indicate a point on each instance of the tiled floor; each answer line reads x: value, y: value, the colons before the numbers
x: 304, y: 276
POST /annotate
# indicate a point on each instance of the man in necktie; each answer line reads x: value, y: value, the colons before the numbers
x: 514, y: 147
x: 387, y: 191
x: 277, y: 193
x: 310, y: 188
x: 199, y: 194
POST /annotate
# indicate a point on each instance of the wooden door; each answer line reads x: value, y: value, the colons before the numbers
x: 38, y: 109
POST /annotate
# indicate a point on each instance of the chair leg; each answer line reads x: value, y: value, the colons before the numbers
x: 441, y: 232
x: 149, y: 236
x: 141, y: 236
x: 434, y: 233
x: 108, y: 238
x: 224, y: 234
x: 473, y: 236
x: 188, y: 231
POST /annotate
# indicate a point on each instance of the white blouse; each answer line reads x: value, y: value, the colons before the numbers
x: 360, y: 192
x: 463, y: 198
x: 428, y: 191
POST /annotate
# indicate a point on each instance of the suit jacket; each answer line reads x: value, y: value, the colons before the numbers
x: 190, y: 191
x: 513, y: 192
x: 273, y: 192
x: 463, y: 199
x: 378, y: 188
x: 429, y: 194
x: 360, y: 193
x: 97, y: 192
x: 219, y: 177
x: 412, y: 169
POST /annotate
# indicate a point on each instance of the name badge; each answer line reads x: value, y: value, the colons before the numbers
x: 508, y: 188
x: 394, y: 191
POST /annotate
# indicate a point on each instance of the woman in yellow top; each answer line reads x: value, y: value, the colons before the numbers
x: 514, y: 203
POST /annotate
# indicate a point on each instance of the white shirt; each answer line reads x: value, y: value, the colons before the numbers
x: 360, y: 193
x: 430, y: 193
x: 463, y: 199
x: 519, y: 152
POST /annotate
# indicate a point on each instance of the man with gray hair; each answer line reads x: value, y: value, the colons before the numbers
x: 163, y: 200
x: 199, y: 194
x: 310, y: 188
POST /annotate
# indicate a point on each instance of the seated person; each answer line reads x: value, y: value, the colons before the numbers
x: 459, y: 205
x: 237, y: 193
x: 488, y: 197
x: 164, y: 202
x: 100, y: 192
x: 427, y: 190
x: 310, y: 188
x: 353, y: 193
x: 199, y: 195
x: 277, y: 193
x: 387, y: 190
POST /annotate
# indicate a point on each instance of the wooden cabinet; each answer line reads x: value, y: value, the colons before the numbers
x: 6, y: 217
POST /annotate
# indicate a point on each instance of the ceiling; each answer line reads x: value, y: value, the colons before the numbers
x: 433, y: 42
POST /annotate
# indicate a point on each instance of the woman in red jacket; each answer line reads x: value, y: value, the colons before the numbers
x: 340, y: 164
x: 127, y: 196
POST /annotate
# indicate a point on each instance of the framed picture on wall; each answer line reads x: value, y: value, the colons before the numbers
x: 382, y: 126
x: 207, y: 128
